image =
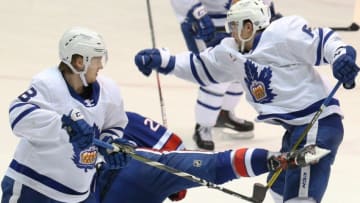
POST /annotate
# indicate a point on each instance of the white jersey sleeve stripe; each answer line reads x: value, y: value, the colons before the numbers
x: 181, y: 147
x: 113, y: 130
x: 248, y: 165
x: 206, y: 69
x: 298, y: 114
x: 327, y: 36
x: 319, y: 48
x: 17, y: 105
x: 194, y: 72
x: 23, y: 114
x: 23, y: 169
x: 164, y: 138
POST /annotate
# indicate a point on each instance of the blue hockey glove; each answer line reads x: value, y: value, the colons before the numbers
x: 274, y: 15
x: 202, y: 24
x: 159, y: 59
x: 80, y: 132
x: 117, y: 160
x: 217, y: 39
x: 344, y: 66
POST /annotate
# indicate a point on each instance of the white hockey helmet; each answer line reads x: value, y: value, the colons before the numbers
x: 84, y: 42
x: 254, y: 10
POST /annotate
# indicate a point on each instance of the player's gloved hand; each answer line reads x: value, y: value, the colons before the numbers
x: 80, y: 132
x: 274, y: 15
x: 178, y: 196
x: 344, y: 66
x: 159, y: 59
x: 202, y: 24
x: 216, y: 39
x: 117, y: 160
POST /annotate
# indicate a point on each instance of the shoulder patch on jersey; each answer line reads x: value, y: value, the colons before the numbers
x: 197, y: 163
x: 259, y: 83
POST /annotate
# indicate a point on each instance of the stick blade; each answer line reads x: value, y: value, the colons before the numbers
x: 354, y: 27
x: 259, y: 192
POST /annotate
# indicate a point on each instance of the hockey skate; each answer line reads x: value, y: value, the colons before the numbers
x: 233, y: 126
x: 308, y: 155
x: 203, y: 137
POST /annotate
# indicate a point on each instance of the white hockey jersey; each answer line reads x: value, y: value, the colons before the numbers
x: 277, y: 75
x: 44, y: 159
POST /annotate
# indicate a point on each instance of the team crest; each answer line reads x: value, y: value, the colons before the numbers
x: 86, y: 158
x: 259, y: 83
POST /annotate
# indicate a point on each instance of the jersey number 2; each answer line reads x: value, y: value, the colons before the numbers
x: 153, y: 125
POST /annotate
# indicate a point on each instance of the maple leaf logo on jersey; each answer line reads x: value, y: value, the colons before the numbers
x: 259, y: 84
x: 89, y: 102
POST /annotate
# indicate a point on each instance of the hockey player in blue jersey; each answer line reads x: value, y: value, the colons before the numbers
x: 274, y: 63
x: 203, y: 25
x: 138, y: 182
x: 57, y: 118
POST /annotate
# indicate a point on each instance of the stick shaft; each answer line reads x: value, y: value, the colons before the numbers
x: 152, y: 33
x: 307, y: 129
x: 171, y: 170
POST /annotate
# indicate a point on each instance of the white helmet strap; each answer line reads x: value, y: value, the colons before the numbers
x: 80, y: 73
x: 243, y: 41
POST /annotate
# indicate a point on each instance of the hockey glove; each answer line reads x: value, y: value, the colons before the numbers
x: 80, y: 132
x: 308, y: 155
x: 117, y: 160
x: 217, y: 39
x: 344, y: 66
x: 202, y: 24
x: 159, y: 59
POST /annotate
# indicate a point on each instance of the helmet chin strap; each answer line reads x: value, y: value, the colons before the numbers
x: 243, y: 41
x: 83, y: 79
x: 80, y: 73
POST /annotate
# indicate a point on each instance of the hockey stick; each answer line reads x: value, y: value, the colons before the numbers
x: 182, y: 174
x: 263, y: 189
x: 162, y: 104
x: 353, y: 27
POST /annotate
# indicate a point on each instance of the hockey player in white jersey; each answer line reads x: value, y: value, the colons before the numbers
x: 203, y: 25
x: 57, y: 118
x: 274, y: 63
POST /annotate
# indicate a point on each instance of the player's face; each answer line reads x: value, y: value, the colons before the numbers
x: 242, y: 34
x: 237, y: 32
x: 234, y: 27
x: 95, y: 66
